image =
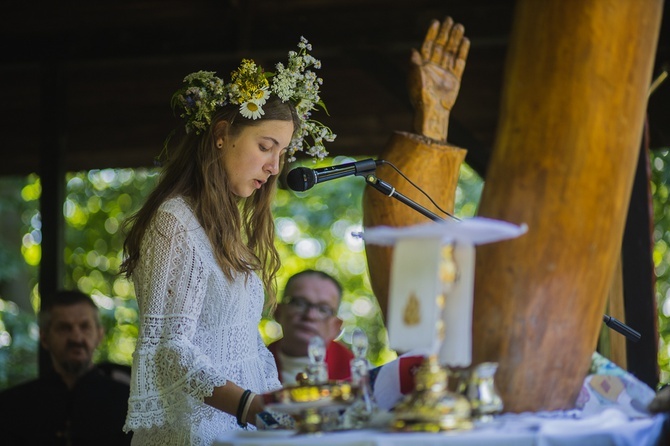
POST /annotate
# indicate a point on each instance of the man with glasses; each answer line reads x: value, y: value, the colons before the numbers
x: 309, y: 308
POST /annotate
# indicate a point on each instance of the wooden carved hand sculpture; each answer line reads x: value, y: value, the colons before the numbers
x: 435, y: 77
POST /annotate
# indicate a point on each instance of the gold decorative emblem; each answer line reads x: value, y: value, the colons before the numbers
x: 440, y: 301
x: 448, y: 265
x: 441, y: 330
x: 412, y: 313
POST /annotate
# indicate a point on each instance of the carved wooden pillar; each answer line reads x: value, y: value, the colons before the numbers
x: 432, y: 166
x: 571, y: 119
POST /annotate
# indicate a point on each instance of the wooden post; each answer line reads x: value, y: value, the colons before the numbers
x: 52, y: 177
x: 639, y: 278
x: 571, y: 119
x: 615, y: 343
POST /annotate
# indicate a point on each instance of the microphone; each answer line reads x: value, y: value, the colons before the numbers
x: 303, y: 178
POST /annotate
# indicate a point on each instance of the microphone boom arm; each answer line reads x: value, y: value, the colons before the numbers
x: 621, y: 328
x: 390, y: 191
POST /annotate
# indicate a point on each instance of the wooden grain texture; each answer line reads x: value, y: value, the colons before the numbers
x: 431, y: 166
x: 572, y: 113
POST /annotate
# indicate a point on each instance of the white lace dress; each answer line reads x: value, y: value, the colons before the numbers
x: 197, y: 330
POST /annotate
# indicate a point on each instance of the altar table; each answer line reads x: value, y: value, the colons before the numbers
x: 611, y: 427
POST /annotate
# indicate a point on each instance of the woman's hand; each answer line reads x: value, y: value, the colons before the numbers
x: 435, y: 77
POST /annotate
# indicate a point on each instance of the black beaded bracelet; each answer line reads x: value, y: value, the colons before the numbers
x: 240, y: 408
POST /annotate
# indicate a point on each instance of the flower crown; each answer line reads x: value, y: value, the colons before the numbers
x: 250, y: 87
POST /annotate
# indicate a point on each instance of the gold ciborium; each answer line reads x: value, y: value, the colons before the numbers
x: 314, y: 402
x: 432, y: 407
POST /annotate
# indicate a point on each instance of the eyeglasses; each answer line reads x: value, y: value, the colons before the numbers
x: 302, y: 306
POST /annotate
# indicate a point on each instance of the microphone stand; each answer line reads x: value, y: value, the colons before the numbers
x: 388, y: 190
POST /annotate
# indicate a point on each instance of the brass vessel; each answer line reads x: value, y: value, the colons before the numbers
x: 432, y: 407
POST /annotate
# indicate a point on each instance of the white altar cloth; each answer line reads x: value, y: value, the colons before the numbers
x: 608, y: 428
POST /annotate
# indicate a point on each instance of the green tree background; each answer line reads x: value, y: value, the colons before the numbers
x: 660, y: 191
x: 315, y: 229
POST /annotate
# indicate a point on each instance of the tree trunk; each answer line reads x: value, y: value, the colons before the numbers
x: 571, y: 120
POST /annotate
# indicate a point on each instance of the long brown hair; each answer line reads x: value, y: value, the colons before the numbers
x: 240, y: 230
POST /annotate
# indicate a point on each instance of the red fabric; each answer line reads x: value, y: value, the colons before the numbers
x: 338, y: 360
x: 407, y: 368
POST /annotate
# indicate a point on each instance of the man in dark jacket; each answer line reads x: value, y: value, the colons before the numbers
x: 75, y: 403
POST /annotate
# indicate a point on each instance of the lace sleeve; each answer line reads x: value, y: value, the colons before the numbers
x: 269, y: 364
x: 170, y: 369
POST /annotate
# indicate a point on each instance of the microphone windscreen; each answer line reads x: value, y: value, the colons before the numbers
x: 300, y: 179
